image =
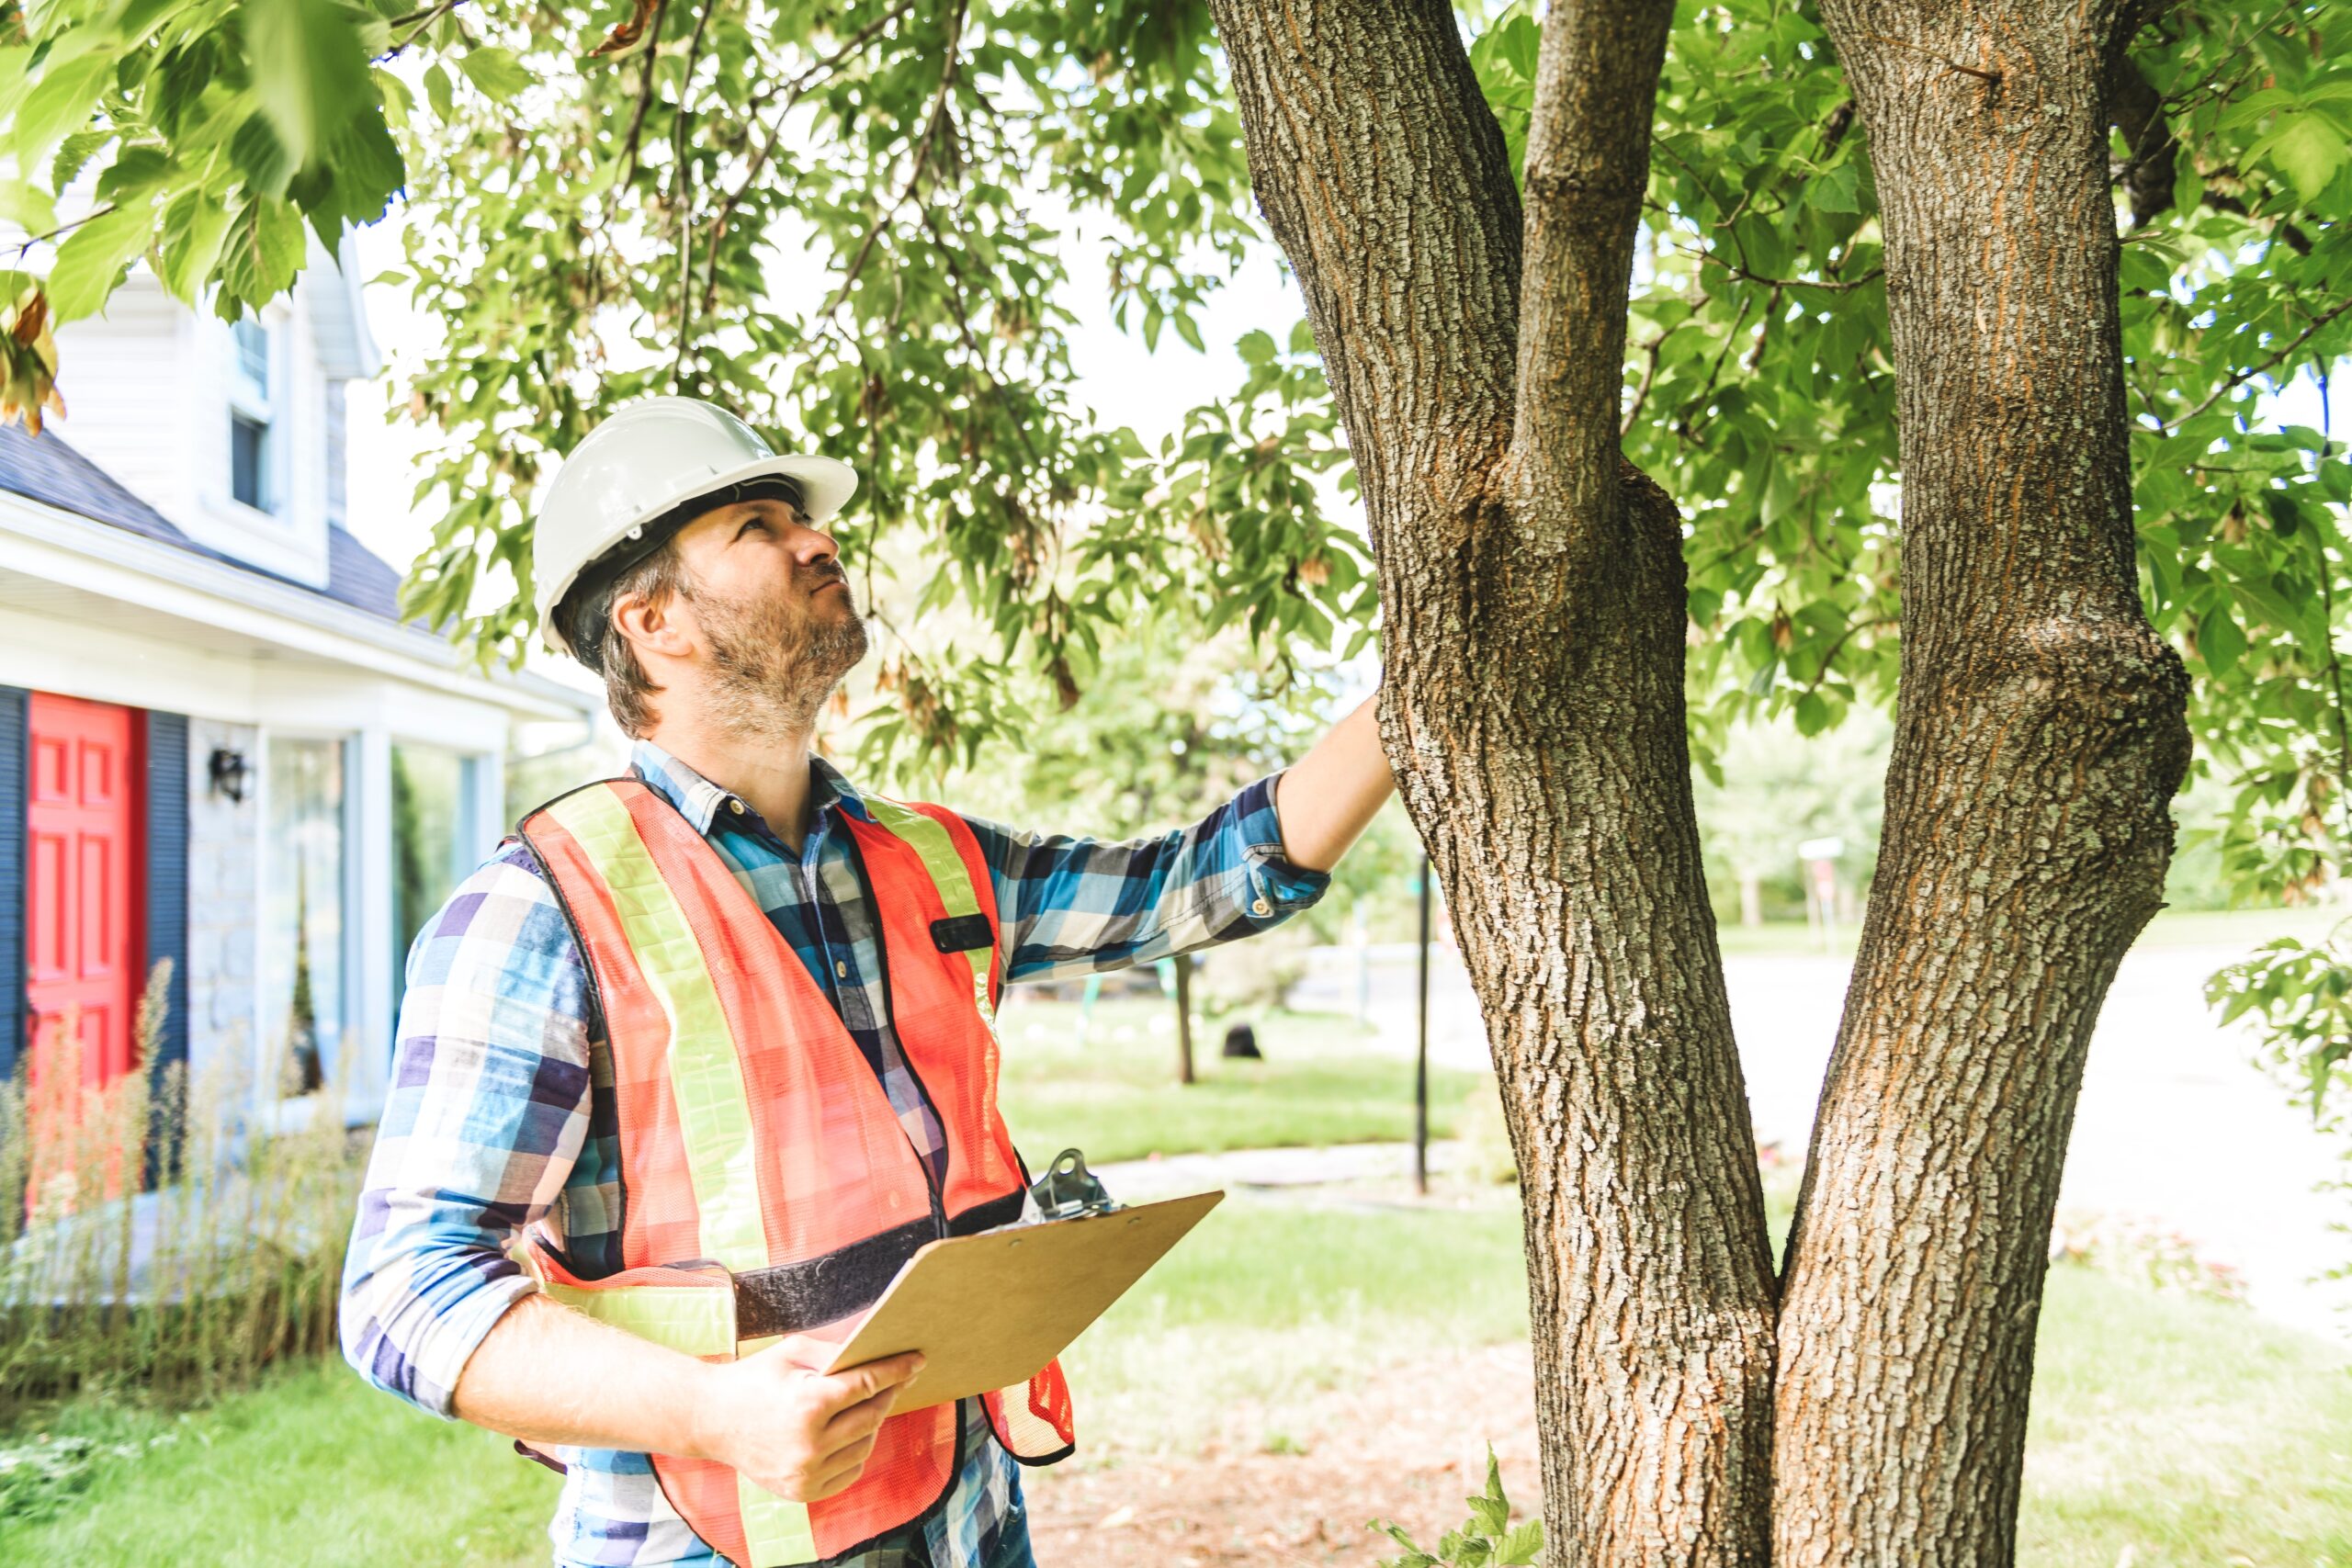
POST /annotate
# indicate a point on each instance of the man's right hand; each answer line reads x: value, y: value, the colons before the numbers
x: 794, y: 1431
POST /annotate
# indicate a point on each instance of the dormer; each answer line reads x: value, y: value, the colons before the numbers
x: 235, y: 431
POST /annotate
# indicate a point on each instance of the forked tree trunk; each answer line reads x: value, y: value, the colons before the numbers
x: 2038, y: 736
x: 1533, y: 591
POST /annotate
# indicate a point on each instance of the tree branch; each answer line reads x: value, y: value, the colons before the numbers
x: 792, y: 94
x: 937, y: 117
x: 1830, y: 658
x: 1588, y: 166
x: 1382, y: 174
x: 2243, y: 376
x: 682, y: 191
x: 1835, y: 286
x: 644, y: 91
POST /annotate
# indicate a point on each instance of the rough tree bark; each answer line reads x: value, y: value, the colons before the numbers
x: 1533, y: 593
x: 2038, y: 736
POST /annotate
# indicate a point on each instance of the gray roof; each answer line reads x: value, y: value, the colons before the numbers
x: 45, y: 468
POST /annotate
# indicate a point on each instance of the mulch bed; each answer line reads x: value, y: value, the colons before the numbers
x: 1407, y: 1444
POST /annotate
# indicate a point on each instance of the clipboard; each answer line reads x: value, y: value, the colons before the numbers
x: 989, y: 1310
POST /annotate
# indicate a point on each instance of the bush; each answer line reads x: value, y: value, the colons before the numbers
x: 1487, y: 1540
x: 231, y: 1259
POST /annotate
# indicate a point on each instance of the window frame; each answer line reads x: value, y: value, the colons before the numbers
x: 254, y: 404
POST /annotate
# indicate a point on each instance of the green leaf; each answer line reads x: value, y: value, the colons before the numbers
x: 262, y: 251
x: 1813, y: 713
x: 309, y: 70
x: 1256, y: 347
x: 72, y: 153
x: 133, y: 170
x: 438, y: 92
x: 495, y: 71
x: 2220, y: 641
x: 1302, y: 336
x: 26, y: 207
x: 2308, y: 149
x: 194, y: 226
x: 1522, y: 1545
x: 60, y: 101
x: 93, y: 258
x: 261, y: 157
x: 1835, y: 190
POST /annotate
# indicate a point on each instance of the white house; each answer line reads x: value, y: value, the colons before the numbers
x: 219, y: 743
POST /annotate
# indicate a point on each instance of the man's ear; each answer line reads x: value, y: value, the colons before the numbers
x: 653, y: 626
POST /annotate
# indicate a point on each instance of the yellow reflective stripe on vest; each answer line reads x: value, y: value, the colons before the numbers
x: 924, y: 834
x: 776, y: 1531
x: 706, y: 1078
x: 697, y: 1319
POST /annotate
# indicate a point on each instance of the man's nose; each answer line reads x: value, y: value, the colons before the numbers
x: 813, y: 545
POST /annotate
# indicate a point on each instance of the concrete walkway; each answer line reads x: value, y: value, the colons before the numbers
x: 1270, y: 1172
x: 2176, y: 1127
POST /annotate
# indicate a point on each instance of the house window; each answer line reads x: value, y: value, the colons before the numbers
x: 302, y: 950
x: 249, y: 460
x: 253, y: 355
x: 251, y: 454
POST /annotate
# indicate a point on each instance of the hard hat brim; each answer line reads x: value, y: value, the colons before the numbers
x: 826, y: 485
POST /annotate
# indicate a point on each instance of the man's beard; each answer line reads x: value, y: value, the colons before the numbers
x: 775, y: 662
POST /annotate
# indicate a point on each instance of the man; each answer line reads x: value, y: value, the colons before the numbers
x: 713, y: 1045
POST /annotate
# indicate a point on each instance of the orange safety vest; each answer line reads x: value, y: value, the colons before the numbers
x: 767, y: 1185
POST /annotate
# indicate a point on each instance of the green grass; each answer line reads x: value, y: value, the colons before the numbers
x: 311, y: 1470
x: 2184, y: 1432
x: 2190, y: 1432
x: 1116, y: 1097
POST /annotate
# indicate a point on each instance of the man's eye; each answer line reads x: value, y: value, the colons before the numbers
x: 747, y: 527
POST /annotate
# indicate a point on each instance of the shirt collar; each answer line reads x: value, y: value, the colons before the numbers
x: 701, y: 801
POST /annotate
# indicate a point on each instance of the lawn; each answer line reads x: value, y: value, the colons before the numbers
x: 1115, y: 1093
x: 2166, y: 1430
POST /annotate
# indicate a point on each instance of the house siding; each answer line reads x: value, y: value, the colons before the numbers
x: 224, y: 893
x: 15, y: 710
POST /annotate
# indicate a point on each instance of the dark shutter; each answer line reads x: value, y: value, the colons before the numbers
x: 16, y: 724
x: 167, y: 915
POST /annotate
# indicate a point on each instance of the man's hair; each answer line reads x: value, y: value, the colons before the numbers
x: 586, y: 612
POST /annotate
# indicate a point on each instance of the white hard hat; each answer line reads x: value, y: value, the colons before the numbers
x: 644, y: 462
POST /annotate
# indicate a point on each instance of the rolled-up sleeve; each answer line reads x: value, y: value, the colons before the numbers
x: 1073, y: 905
x: 486, y: 1114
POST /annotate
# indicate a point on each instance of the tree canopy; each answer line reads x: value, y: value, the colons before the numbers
x: 852, y: 223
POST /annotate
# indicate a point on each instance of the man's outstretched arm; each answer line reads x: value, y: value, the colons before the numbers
x: 1071, y: 905
x: 1331, y: 795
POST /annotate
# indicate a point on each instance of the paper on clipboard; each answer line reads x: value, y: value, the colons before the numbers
x: 989, y: 1310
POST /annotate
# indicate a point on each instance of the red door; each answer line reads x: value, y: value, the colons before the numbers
x: 82, y: 810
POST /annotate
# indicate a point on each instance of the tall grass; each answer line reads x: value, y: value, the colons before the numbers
x: 154, y: 1233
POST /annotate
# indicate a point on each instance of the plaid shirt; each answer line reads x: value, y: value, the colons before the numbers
x: 501, y: 1105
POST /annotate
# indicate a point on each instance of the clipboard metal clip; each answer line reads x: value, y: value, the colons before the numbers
x: 1069, y: 1190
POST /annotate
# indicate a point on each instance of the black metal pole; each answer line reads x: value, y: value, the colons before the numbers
x: 1421, y: 1056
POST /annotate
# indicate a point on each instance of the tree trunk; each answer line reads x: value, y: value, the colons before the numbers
x: 1183, y: 962
x: 1554, y: 799
x: 2038, y: 736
